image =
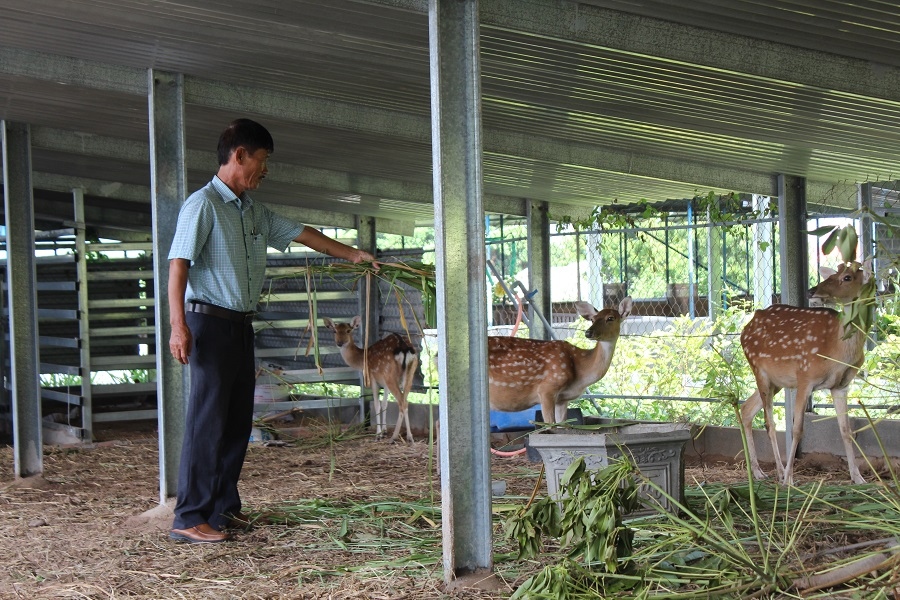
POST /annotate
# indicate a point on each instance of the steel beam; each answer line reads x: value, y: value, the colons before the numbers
x: 21, y: 280
x: 461, y: 286
x: 343, y: 115
x: 539, y: 270
x: 169, y: 189
x: 792, y: 226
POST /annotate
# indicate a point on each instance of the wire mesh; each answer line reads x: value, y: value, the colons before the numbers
x: 694, y: 281
x: 695, y: 277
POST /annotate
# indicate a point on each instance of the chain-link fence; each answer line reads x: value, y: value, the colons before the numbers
x: 670, y: 264
x: 694, y: 281
x: 695, y: 274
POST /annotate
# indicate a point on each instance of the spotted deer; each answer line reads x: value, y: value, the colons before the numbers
x: 805, y: 349
x: 524, y: 372
x: 391, y: 363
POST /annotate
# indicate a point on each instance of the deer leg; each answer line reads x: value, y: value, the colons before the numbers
x: 548, y: 409
x: 402, y: 412
x: 562, y: 411
x: 380, y: 410
x: 768, y: 408
x: 403, y: 417
x: 803, y: 392
x: 407, y: 386
x: 748, y: 411
x: 839, y: 396
x: 409, y: 435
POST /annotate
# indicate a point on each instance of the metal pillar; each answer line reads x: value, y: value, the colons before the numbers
x: 84, y: 335
x: 867, y: 228
x: 461, y: 286
x: 715, y: 284
x: 594, y: 259
x: 369, y: 304
x: 168, y: 190
x: 792, y: 229
x: 539, y: 267
x: 21, y: 279
x: 794, y: 264
x: 867, y: 239
x: 692, y: 260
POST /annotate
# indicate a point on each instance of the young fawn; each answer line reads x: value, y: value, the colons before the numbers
x: 805, y: 349
x: 524, y: 372
x: 391, y: 363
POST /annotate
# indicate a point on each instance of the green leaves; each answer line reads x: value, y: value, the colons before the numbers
x: 860, y: 314
x: 843, y: 238
x: 415, y: 274
x: 588, y: 519
x: 550, y: 583
x: 527, y: 529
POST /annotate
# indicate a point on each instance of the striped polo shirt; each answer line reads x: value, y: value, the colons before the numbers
x: 226, y: 238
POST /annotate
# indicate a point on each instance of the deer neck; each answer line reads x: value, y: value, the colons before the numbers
x: 353, y: 355
x: 851, y: 346
x: 593, y: 364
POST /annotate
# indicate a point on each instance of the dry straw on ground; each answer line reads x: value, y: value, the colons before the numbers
x: 71, y: 534
x: 354, y: 518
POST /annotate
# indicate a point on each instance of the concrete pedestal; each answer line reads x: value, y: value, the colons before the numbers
x: 656, y: 449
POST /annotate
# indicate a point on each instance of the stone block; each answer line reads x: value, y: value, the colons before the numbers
x: 656, y: 449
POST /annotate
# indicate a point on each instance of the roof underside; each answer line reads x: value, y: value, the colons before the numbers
x: 584, y: 104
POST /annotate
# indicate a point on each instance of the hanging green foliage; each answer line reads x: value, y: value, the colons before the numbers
x: 417, y: 275
x: 860, y: 313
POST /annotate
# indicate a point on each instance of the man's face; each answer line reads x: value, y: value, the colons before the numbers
x: 253, y: 166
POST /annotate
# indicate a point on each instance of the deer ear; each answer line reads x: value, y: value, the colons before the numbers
x: 328, y: 323
x: 826, y: 272
x: 585, y: 310
x: 867, y: 269
x: 355, y: 322
x: 625, y: 306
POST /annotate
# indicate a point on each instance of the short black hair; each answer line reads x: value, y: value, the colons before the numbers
x: 243, y: 132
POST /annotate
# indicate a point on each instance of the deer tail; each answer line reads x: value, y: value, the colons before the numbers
x: 404, y: 353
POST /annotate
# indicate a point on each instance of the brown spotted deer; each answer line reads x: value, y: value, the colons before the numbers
x: 391, y: 364
x: 524, y: 372
x: 805, y: 349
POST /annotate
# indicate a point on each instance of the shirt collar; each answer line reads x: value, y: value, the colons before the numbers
x: 243, y: 201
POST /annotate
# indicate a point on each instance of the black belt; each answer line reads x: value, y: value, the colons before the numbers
x: 222, y: 313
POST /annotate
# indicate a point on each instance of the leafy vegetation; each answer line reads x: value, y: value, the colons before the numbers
x: 723, y: 541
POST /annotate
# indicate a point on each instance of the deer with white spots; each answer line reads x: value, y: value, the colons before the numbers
x: 389, y: 364
x: 805, y: 349
x: 524, y: 372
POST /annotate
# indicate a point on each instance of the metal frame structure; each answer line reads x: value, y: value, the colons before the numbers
x: 539, y: 105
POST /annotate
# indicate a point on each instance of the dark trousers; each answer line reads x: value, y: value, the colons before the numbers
x: 218, y: 421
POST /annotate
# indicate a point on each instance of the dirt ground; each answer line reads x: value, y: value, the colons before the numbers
x: 93, y: 527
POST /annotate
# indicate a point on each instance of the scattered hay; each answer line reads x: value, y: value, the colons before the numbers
x: 94, y: 528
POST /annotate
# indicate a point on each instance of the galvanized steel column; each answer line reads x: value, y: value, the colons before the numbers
x: 369, y: 303
x: 21, y: 282
x: 792, y: 229
x: 867, y: 227
x: 867, y: 240
x: 84, y: 325
x: 715, y: 284
x: 461, y: 286
x: 539, y: 268
x: 168, y: 190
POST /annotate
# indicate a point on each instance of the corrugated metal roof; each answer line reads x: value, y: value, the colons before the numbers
x: 583, y: 103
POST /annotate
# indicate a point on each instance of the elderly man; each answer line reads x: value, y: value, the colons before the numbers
x: 216, y: 270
